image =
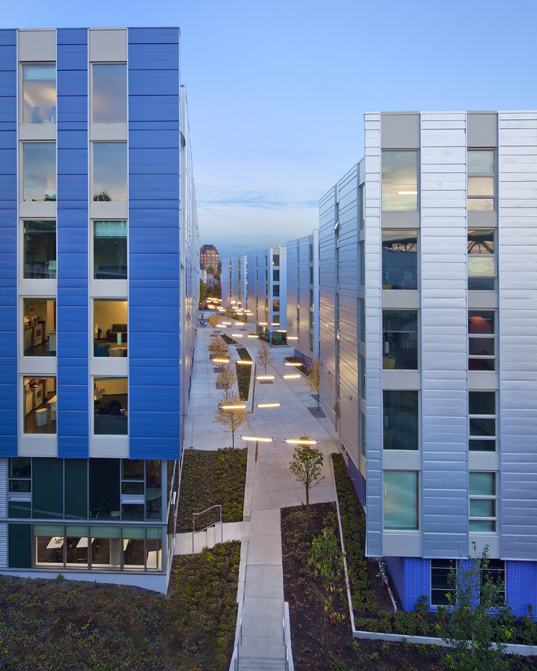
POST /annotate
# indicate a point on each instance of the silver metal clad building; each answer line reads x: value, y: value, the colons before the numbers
x: 428, y: 255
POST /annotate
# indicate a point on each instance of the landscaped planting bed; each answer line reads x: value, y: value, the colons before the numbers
x: 301, y: 368
x: 210, y: 478
x: 228, y: 340
x: 244, y: 373
x: 66, y: 625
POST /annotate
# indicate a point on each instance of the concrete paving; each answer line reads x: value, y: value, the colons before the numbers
x: 273, y: 486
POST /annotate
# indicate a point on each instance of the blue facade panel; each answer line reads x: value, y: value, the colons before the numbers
x: 8, y: 236
x: 417, y: 581
x: 154, y: 261
x: 72, y: 231
x: 358, y: 480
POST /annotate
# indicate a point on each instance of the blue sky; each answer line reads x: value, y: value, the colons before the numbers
x: 277, y: 90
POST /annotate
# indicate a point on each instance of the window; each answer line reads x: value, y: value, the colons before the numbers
x: 311, y: 298
x: 110, y: 171
x: 481, y: 336
x: 401, y: 500
x: 362, y: 264
x: 399, y: 260
x: 362, y: 377
x: 311, y: 254
x: 312, y: 320
x: 20, y: 488
x: 39, y: 242
x: 363, y: 434
x: 400, y: 420
x: 110, y: 395
x: 276, y: 260
x: 39, y: 327
x: 337, y: 265
x: 275, y: 275
x: 110, y: 93
x: 38, y: 171
x: 400, y: 337
x: 483, y: 502
x: 399, y: 181
x: 311, y: 276
x: 110, y: 250
x: 482, y: 421
x: 39, y: 403
x: 481, y: 260
x: 275, y: 289
x: 361, y: 199
x: 39, y: 93
x: 275, y: 306
x: 141, y: 489
x: 481, y: 189
x: 440, y: 583
x: 361, y: 314
x: 495, y: 573
x: 110, y: 322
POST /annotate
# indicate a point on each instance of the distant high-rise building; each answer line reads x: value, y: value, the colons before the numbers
x: 209, y: 257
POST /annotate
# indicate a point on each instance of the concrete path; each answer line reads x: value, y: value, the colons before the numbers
x: 273, y: 486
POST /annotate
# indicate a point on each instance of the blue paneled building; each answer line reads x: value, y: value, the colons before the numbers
x: 99, y: 281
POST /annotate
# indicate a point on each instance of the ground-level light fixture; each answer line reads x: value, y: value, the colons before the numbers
x: 275, y: 323
x: 237, y: 335
x: 261, y: 440
x: 221, y: 360
x: 281, y: 331
x: 265, y: 377
x: 233, y: 407
x: 292, y: 337
x: 293, y: 363
x: 246, y: 363
x: 262, y: 323
x: 294, y: 441
x: 268, y: 405
x: 252, y: 335
x: 289, y: 377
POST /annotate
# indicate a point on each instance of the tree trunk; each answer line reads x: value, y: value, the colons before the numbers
x: 233, y: 438
x: 308, y: 507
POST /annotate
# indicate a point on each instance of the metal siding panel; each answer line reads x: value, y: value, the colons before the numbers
x: 444, y: 314
x: 154, y: 208
x: 8, y: 255
x: 517, y: 255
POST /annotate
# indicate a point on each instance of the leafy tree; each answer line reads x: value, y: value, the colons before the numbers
x: 232, y: 420
x: 202, y: 291
x: 220, y: 350
x: 327, y: 561
x: 476, y: 616
x: 226, y: 379
x: 210, y: 270
x: 314, y: 379
x: 264, y: 355
x: 306, y: 467
x: 214, y: 320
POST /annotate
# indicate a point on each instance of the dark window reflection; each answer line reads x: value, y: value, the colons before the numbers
x: 399, y: 260
x: 39, y: 240
x: 400, y: 420
x: 400, y: 339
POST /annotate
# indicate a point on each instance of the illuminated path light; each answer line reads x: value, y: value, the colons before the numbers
x: 233, y: 407
x: 301, y: 442
x: 261, y: 440
x: 265, y: 377
x: 268, y: 405
x: 290, y: 377
x: 289, y: 363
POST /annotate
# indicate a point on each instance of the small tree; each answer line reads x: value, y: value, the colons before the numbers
x: 327, y: 561
x: 210, y: 270
x: 314, y: 379
x: 214, y: 320
x: 264, y: 356
x: 476, y: 617
x: 232, y: 420
x: 306, y: 467
x: 219, y: 350
x: 226, y: 379
x: 202, y: 292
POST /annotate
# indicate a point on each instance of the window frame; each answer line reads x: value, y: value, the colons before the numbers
x: 22, y: 338
x: 22, y: 268
x: 92, y: 172
x: 494, y: 197
x: 399, y: 529
x: 22, y: 144
x: 454, y: 566
x: 474, y: 438
x: 92, y: 252
x: 474, y: 230
x: 483, y: 497
x: 91, y: 92
x: 417, y: 194
x: 489, y: 336
x: 22, y: 65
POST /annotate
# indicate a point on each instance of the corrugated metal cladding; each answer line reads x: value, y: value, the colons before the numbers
x: 154, y: 254
x: 304, y: 286
x: 327, y: 282
x: 348, y: 326
x: 518, y: 331
x: 72, y: 232
x: 250, y: 297
x: 235, y: 279
x: 373, y: 335
x: 292, y: 289
x: 262, y: 315
x: 444, y: 316
x: 8, y: 243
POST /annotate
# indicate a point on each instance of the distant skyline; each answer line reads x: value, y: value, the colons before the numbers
x: 277, y: 91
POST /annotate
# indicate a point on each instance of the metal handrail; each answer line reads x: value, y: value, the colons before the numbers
x: 234, y: 666
x: 218, y: 505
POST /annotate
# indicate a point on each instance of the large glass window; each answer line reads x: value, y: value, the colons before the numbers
x: 110, y: 250
x: 105, y: 547
x: 401, y: 500
x: 482, y: 421
x: 110, y: 396
x: 361, y: 199
x: 39, y: 93
x: 400, y: 420
x: 441, y: 586
x: 39, y: 402
x: 361, y: 315
x: 110, y: 328
x: 481, y: 189
x: 104, y: 497
x: 481, y: 260
x: 39, y: 241
x: 39, y: 323
x: 49, y: 545
x: 110, y: 171
x: 110, y: 93
x: 38, y: 171
x: 399, y: 260
x: 400, y: 333
x: 20, y: 487
x: 481, y: 340
x: 399, y: 181
x: 483, y: 502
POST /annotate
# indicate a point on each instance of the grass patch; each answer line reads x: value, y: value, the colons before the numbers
x: 65, y: 625
x: 210, y: 478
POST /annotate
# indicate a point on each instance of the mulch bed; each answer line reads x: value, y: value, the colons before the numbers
x: 210, y: 478
x: 244, y: 373
x: 301, y: 368
x: 228, y: 340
